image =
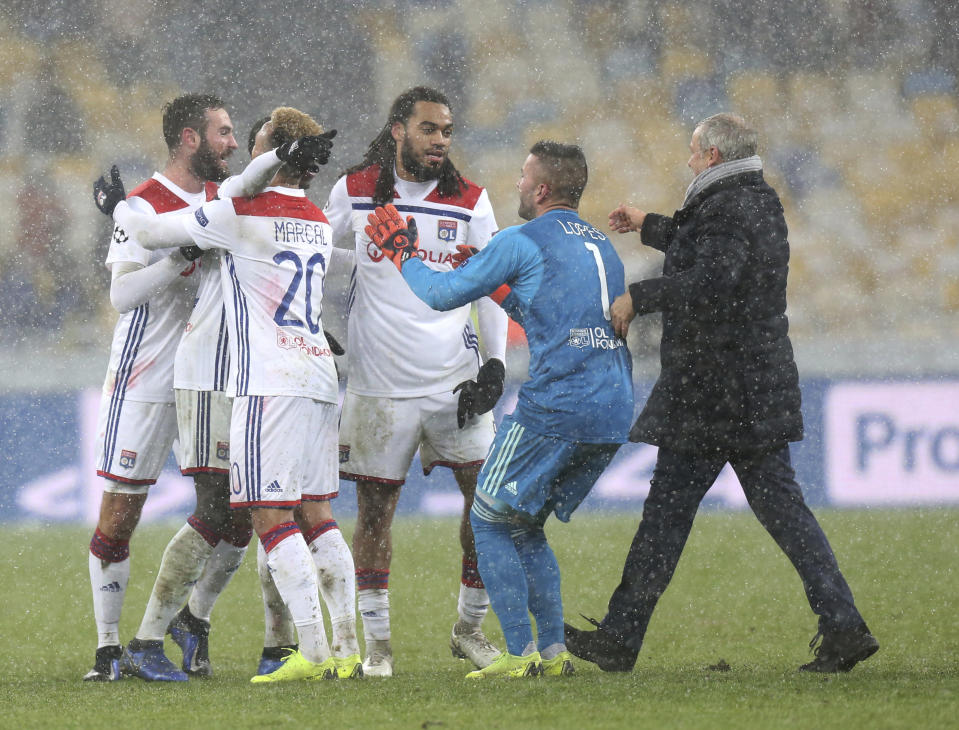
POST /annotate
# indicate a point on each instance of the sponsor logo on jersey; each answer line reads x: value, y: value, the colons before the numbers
x: 128, y: 459
x: 201, y: 217
x: 273, y: 487
x: 223, y: 450
x: 597, y: 337
x: 287, y: 341
x: 344, y: 454
x: 446, y: 230
x: 374, y: 252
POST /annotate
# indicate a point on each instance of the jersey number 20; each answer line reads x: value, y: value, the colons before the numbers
x: 280, y: 316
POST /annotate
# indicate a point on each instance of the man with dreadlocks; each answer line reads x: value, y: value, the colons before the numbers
x: 418, y: 379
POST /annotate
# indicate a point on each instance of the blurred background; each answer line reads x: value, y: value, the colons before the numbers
x: 856, y: 102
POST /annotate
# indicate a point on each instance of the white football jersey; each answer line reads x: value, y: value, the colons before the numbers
x: 145, y: 339
x: 202, y: 359
x: 398, y: 346
x: 275, y: 251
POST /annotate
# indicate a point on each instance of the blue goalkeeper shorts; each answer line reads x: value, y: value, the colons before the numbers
x: 536, y: 475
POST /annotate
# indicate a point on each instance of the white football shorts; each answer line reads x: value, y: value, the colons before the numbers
x: 134, y: 439
x: 379, y: 436
x: 203, y: 421
x: 283, y: 450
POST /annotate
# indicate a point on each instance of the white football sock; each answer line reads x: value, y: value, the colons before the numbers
x: 109, y: 584
x: 334, y: 566
x: 219, y: 571
x: 278, y: 624
x: 472, y: 605
x: 374, y: 606
x: 294, y: 574
x: 182, y: 563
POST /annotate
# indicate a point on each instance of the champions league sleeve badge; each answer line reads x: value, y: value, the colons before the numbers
x: 446, y: 230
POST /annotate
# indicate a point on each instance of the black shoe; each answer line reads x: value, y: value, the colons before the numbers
x: 192, y: 635
x: 840, y: 651
x: 106, y: 666
x: 600, y: 647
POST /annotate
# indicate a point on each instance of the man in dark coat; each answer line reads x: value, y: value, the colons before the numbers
x: 728, y: 392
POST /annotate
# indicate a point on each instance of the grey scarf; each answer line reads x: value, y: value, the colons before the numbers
x: 722, y: 170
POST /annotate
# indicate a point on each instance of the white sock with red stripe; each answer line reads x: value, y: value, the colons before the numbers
x: 109, y: 561
x: 334, y: 565
x: 294, y: 574
x: 219, y: 571
x: 183, y: 561
x: 278, y: 624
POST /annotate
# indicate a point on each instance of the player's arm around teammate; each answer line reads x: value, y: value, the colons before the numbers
x: 153, y: 291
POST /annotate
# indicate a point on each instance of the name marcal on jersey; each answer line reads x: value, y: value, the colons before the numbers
x: 298, y: 232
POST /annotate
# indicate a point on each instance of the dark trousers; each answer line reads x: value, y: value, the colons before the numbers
x: 679, y: 483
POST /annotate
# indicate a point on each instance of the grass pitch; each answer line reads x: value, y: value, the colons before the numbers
x: 734, y: 600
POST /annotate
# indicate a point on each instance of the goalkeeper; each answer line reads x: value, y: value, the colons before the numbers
x: 556, y: 276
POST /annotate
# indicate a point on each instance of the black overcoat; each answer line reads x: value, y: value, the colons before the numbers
x: 728, y: 378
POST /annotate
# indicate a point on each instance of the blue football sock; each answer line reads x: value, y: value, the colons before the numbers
x: 543, y: 583
x: 502, y: 572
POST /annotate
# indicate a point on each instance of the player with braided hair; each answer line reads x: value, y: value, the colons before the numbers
x: 412, y: 399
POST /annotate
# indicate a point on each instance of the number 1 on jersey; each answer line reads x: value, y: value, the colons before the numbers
x: 603, y: 288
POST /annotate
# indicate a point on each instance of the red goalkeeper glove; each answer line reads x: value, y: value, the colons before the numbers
x: 397, y: 239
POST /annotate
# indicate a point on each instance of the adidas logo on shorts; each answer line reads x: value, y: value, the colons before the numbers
x: 273, y: 486
x: 510, y: 487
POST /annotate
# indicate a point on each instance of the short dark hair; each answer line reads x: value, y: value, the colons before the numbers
x: 565, y: 166
x: 382, y: 150
x: 187, y: 112
x: 255, y: 130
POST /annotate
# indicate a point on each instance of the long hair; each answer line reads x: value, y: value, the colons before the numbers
x: 382, y: 150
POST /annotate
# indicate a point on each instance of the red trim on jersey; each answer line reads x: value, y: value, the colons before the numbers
x: 211, y: 189
x: 203, y: 470
x: 467, y: 197
x: 319, y: 497
x: 454, y: 465
x: 158, y: 195
x: 124, y: 480
x: 362, y: 184
x: 364, y: 478
x: 277, y: 205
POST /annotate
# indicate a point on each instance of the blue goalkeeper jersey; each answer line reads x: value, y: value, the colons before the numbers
x: 562, y: 274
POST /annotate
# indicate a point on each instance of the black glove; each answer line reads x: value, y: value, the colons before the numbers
x: 191, y: 252
x: 335, y: 347
x: 480, y: 395
x: 108, y: 194
x: 306, y: 154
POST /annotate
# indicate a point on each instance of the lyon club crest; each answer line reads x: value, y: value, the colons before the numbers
x: 446, y: 230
